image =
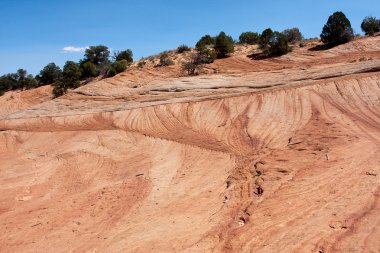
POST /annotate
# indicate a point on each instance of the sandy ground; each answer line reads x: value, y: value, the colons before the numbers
x: 276, y: 155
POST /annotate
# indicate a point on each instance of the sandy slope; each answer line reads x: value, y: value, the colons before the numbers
x: 277, y: 155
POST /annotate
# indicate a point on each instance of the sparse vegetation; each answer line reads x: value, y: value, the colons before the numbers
x: 224, y: 45
x: 370, y: 26
x: 250, y: 38
x: 293, y: 35
x: 207, y: 55
x: 337, y: 30
x: 141, y: 64
x: 97, y: 61
x: 194, y: 64
x: 183, y: 48
x: 165, y: 59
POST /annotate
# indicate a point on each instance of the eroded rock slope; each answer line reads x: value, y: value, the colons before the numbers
x: 279, y: 158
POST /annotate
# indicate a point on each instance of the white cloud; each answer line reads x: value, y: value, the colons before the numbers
x: 72, y: 49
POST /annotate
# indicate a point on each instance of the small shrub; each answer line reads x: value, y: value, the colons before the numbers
x: 120, y: 66
x: 117, y: 67
x: 182, y: 48
x: 151, y: 58
x: 59, y: 90
x: 206, y: 56
x: 337, y: 30
x: 250, y: 38
x: 293, y: 35
x: 141, y: 64
x: 224, y: 45
x: 370, y: 26
x: 193, y: 65
x: 165, y: 59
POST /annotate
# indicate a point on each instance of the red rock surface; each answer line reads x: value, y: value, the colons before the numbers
x: 276, y: 155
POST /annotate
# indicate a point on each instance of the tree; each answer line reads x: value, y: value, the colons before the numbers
x: 88, y: 69
x: 104, y: 69
x: 249, y: 38
x: 8, y: 82
x: 21, y: 74
x: 205, y: 41
x: 18, y: 80
x: 71, y: 74
x: 124, y: 55
x: 293, y: 35
x: 49, y: 74
x: 265, y: 37
x: 224, y: 45
x: 370, y: 25
x: 98, y: 55
x: 278, y: 45
x: 29, y: 82
x: 21, y: 80
x: 337, y: 30
x: 274, y: 43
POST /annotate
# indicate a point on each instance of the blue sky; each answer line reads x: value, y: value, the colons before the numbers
x: 34, y: 32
